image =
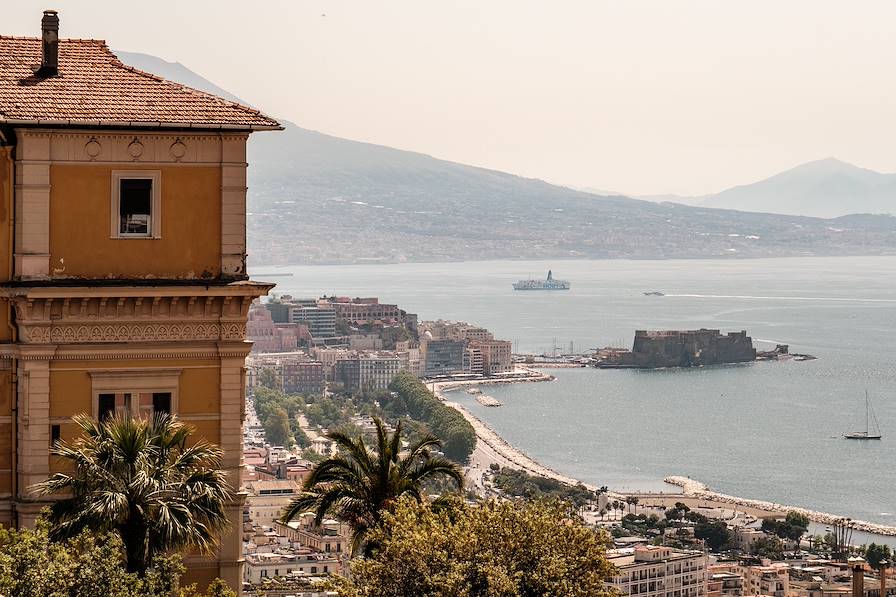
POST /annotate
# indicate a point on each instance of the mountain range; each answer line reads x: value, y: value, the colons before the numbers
x: 826, y: 188
x: 316, y: 198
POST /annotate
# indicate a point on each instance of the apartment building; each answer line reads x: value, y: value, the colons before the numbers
x: 658, y: 571
x: 267, y: 499
x: 368, y: 371
x: 442, y: 357
x: 772, y: 580
x: 495, y: 354
x: 360, y: 311
x: 723, y: 581
x: 303, y: 377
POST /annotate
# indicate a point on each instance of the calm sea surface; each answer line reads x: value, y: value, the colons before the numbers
x: 764, y: 430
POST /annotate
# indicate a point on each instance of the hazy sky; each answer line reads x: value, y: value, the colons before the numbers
x: 633, y: 96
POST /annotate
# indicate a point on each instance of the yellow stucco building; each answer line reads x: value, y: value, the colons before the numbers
x: 123, y: 283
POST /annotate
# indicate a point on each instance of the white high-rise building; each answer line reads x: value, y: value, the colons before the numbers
x: 657, y: 571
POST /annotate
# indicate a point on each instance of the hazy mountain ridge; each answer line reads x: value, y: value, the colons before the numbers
x: 826, y: 188
x: 315, y: 198
x: 823, y: 188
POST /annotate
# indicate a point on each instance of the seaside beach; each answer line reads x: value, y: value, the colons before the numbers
x: 492, y: 448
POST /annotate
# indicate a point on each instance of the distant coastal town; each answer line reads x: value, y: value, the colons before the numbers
x: 334, y: 362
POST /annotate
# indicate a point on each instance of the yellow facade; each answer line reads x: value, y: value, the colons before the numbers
x: 80, y: 244
x: 86, y: 314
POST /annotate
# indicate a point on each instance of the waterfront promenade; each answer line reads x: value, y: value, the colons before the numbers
x: 492, y: 448
x: 699, y: 490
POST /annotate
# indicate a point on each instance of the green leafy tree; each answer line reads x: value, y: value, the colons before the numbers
x: 268, y: 379
x: 792, y: 528
x: 491, y: 549
x: 358, y: 485
x: 142, y: 480
x: 768, y: 547
x: 457, y: 436
x: 277, y: 429
x: 673, y: 514
x: 521, y: 484
x: 878, y: 556
x: 715, y: 533
x: 87, y: 565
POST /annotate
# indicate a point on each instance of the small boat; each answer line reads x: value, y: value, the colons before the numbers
x: 654, y: 293
x: 872, y: 428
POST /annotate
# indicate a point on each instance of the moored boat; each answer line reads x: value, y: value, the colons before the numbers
x: 547, y: 284
x: 872, y: 428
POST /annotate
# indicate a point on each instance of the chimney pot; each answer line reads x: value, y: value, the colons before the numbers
x: 49, y: 25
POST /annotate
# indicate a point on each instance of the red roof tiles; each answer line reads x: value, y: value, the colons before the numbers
x: 93, y: 88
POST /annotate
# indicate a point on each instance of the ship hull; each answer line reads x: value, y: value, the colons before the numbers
x: 515, y: 288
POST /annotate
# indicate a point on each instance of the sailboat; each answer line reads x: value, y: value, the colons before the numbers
x: 871, y: 432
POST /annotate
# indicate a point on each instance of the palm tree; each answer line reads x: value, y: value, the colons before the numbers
x: 635, y: 501
x: 359, y: 484
x: 139, y: 478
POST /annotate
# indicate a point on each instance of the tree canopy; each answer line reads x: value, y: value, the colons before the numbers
x: 31, y: 565
x: 792, y: 528
x: 141, y: 479
x: 359, y: 485
x: 413, y: 398
x: 493, y: 549
x: 768, y: 547
x: 876, y: 555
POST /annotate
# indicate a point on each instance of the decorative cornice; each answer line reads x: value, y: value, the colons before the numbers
x: 98, y: 354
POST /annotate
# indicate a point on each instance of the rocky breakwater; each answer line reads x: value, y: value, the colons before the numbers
x: 692, y: 488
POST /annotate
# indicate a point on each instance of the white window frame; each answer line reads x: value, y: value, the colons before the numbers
x: 155, y: 216
x: 133, y: 382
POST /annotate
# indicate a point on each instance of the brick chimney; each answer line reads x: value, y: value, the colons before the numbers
x: 49, y: 25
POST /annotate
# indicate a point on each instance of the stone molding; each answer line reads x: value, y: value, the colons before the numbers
x: 130, y: 318
x: 132, y: 147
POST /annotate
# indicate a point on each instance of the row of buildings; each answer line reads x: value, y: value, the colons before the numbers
x: 430, y: 349
x: 286, y: 323
x: 296, y: 556
x: 660, y: 571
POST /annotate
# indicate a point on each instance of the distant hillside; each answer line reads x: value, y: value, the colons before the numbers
x: 825, y: 188
x: 315, y: 198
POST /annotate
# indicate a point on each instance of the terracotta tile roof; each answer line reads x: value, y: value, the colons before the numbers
x: 94, y: 88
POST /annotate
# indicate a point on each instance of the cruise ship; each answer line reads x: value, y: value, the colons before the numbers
x: 547, y: 284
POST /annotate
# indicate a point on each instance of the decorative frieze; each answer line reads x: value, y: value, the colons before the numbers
x: 131, y: 332
x: 68, y: 146
x: 131, y: 317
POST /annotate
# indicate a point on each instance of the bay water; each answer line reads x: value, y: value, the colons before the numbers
x: 770, y: 430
